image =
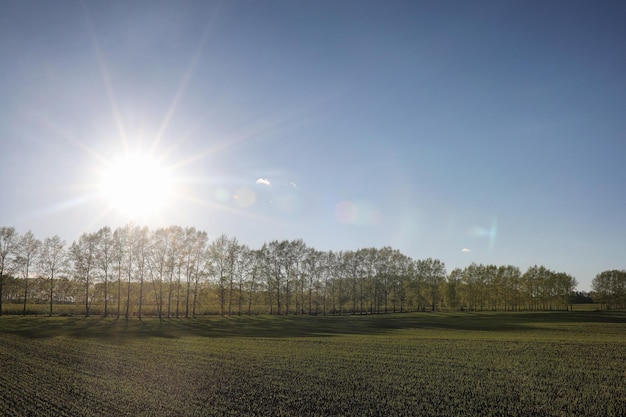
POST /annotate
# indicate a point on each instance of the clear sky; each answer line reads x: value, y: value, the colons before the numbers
x: 469, y: 131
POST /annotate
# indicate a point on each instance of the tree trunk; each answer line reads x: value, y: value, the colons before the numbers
x: 128, y: 297
x: 140, y: 294
x: 119, y: 294
x: 87, y: 296
x: 51, y: 292
x: 1, y: 290
x: 106, y: 294
x: 25, y: 293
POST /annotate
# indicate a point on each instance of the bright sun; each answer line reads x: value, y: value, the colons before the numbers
x: 136, y: 185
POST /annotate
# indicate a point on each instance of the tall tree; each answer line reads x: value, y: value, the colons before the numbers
x: 233, y: 254
x: 313, y: 272
x: 201, y: 268
x: 219, y: 265
x: 175, y: 234
x: 187, y: 260
x: 129, y: 232
x: 105, y: 259
x: 272, y: 255
x: 27, y: 250
x: 384, y: 275
x: 255, y: 268
x: 282, y: 277
x: 329, y: 260
x: 401, y: 269
x: 510, y: 280
x: 609, y: 288
x: 469, y: 287
x: 181, y: 250
x: 51, y: 260
x: 564, y: 285
x: 451, y: 289
x: 197, y: 243
x: 158, y: 266
x: 490, y: 286
x: 532, y: 281
x: 370, y: 256
x: 120, y: 237
x: 244, y: 269
x: 142, y: 250
x: 433, y: 273
x: 290, y: 255
x: 9, y: 239
x: 83, y: 256
x: 297, y: 252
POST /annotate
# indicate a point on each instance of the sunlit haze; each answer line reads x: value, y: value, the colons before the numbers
x: 489, y: 132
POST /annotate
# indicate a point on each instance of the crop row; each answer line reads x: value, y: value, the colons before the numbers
x: 399, y: 374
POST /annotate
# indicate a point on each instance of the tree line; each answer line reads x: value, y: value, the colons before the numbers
x: 609, y: 288
x: 180, y: 272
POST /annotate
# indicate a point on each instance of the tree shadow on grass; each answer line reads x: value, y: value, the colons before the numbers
x: 118, y: 330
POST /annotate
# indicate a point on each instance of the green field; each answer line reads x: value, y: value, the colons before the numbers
x: 419, y: 364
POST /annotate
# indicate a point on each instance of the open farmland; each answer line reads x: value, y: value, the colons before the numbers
x: 488, y: 364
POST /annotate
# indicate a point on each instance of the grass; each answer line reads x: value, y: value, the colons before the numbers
x: 436, y: 364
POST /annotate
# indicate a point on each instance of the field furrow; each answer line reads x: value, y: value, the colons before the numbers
x: 435, y: 372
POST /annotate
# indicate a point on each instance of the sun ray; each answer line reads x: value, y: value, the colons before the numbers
x: 106, y: 79
x: 185, y: 80
x: 261, y: 128
x: 65, y: 135
x: 231, y: 210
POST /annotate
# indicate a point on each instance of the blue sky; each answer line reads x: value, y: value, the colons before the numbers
x: 431, y: 126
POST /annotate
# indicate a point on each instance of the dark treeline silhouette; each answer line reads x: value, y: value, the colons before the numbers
x: 180, y: 272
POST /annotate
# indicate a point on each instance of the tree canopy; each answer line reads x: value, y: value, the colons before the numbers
x: 180, y: 272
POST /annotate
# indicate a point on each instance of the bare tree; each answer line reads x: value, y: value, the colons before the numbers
x: 329, y: 260
x: 255, y: 267
x: 296, y: 255
x: 384, y: 274
x: 158, y: 266
x: 105, y: 257
x: 196, y: 242
x: 270, y: 268
x: 142, y: 250
x: 83, y: 256
x: 350, y: 268
x: 175, y: 234
x: 313, y: 273
x: 282, y: 277
x: 201, y: 266
x: 134, y: 242
x: 219, y: 259
x: 274, y: 253
x: 242, y: 268
x: 27, y: 251
x: 119, y: 252
x: 51, y: 260
x: 234, y: 252
x: 194, y: 246
x: 9, y: 239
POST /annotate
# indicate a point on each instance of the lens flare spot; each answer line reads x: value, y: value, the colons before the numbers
x: 221, y: 194
x: 346, y: 212
x: 245, y: 197
x: 359, y: 213
x: 489, y: 233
